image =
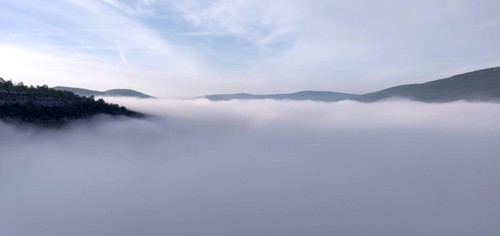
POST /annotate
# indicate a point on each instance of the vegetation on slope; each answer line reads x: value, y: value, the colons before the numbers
x: 44, y: 104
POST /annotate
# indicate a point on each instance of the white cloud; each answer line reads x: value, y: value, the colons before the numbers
x: 257, y: 168
x: 456, y: 116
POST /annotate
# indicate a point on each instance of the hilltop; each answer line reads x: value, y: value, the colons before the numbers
x: 107, y: 93
x: 481, y: 85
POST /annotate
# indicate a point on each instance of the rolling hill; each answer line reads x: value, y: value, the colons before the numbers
x: 482, y: 85
x: 107, y: 93
x: 303, y: 95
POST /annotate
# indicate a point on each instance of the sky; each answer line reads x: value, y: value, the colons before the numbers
x: 188, y: 48
x: 258, y: 167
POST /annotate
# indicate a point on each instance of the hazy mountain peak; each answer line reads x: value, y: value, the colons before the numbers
x: 108, y: 93
x: 301, y: 95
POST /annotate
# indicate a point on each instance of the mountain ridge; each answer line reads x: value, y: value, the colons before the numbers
x: 107, y: 93
x: 479, y: 85
x: 301, y: 95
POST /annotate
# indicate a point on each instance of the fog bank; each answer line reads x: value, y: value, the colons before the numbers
x: 257, y: 168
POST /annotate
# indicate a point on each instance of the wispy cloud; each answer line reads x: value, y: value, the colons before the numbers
x: 121, y: 52
x: 193, y: 47
x: 258, y: 23
x: 135, y: 8
x: 148, y: 55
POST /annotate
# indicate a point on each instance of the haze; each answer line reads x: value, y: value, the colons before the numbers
x: 257, y: 168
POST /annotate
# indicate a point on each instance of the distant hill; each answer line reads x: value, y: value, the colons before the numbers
x: 303, y: 95
x: 481, y: 85
x: 107, y: 93
x: 42, y: 104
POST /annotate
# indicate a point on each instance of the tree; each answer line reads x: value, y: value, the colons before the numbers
x: 42, y: 104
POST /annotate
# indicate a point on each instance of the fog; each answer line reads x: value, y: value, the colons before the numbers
x: 197, y: 167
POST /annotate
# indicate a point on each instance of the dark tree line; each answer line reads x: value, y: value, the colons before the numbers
x: 44, y: 104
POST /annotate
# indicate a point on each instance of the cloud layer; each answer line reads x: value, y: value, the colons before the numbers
x: 257, y: 168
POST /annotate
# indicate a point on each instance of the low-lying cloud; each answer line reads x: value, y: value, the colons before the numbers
x: 257, y: 168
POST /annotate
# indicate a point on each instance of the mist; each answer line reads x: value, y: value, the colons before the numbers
x: 197, y: 167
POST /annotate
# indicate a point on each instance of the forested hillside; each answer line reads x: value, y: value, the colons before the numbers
x: 43, y: 104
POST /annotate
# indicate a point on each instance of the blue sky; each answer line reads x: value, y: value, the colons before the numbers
x: 191, y: 47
